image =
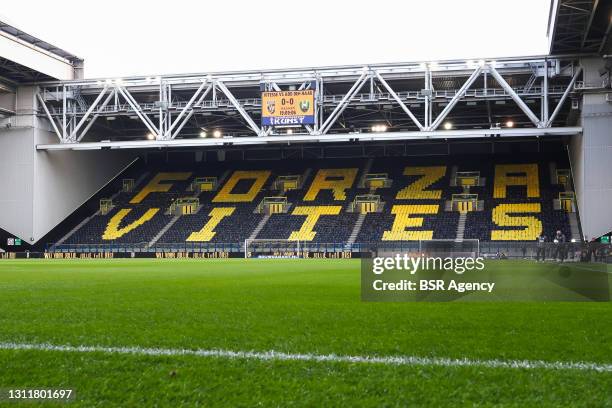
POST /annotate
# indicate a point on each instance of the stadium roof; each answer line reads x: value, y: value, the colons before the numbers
x: 25, y: 58
x: 579, y: 26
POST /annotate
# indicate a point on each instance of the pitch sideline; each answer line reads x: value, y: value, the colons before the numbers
x: 280, y: 356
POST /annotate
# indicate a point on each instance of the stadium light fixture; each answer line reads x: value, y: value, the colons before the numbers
x: 217, y: 133
x: 379, y: 128
x: 289, y: 131
x: 509, y: 124
x: 448, y: 125
x: 150, y: 136
x: 203, y: 134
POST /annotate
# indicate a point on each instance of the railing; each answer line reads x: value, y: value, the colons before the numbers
x: 509, y: 249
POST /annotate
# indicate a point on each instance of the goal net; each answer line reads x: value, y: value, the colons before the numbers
x: 449, y: 248
x: 272, y: 248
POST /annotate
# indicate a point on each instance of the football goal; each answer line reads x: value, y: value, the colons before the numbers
x: 272, y: 248
x: 450, y: 248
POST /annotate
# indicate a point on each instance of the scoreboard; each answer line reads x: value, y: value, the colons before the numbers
x: 287, y: 108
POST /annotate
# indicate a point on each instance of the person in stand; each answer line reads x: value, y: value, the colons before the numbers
x: 560, y: 246
x: 541, y: 247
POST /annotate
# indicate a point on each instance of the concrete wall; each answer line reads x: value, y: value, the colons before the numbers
x: 17, y: 182
x: 40, y: 189
x: 65, y: 180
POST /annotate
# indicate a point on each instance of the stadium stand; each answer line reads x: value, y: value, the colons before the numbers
x: 512, y: 199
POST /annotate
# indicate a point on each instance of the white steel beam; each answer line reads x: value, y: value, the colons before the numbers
x: 460, y: 93
x: 399, y: 101
x: 239, y: 108
x: 96, y: 116
x: 143, y: 116
x: 344, y: 102
x: 185, y: 109
x: 545, y: 113
x: 587, y: 29
x: 49, y: 117
x: 517, y: 99
x: 305, y: 138
x: 190, y: 114
x: 564, y: 97
x: 89, y: 111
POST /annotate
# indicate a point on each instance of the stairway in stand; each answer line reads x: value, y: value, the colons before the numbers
x: 259, y: 227
x: 356, y: 229
x: 461, y: 227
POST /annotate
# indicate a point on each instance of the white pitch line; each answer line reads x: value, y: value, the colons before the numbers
x: 280, y: 356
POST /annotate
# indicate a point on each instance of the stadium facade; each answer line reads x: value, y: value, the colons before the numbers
x: 391, y: 152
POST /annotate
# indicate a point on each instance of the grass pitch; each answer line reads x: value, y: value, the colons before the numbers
x: 290, y: 306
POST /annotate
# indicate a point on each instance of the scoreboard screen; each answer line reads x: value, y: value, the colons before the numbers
x: 287, y: 108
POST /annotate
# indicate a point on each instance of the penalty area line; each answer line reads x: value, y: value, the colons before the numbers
x: 307, y: 357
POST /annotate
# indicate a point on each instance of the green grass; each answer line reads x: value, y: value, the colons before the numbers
x: 294, y: 306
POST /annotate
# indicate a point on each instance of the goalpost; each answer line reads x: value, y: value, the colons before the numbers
x: 450, y: 248
x: 280, y: 248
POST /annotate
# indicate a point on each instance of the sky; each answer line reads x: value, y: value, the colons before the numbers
x: 133, y: 37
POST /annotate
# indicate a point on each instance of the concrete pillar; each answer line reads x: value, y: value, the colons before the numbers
x: 591, y: 153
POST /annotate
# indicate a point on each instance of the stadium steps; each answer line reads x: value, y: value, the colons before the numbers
x: 75, y: 229
x: 453, y: 177
x: 223, y: 177
x: 552, y: 168
x: 78, y: 97
x: 572, y: 217
x: 366, y: 170
x: 266, y: 217
x: 260, y: 226
x: 574, y: 229
x: 305, y: 176
x: 86, y: 220
x: 356, y: 228
x: 359, y: 223
x: 461, y: 227
x: 171, y: 223
x: 163, y: 231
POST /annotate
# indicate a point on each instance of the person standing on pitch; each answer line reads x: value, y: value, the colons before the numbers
x: 541, y: 247
x: 560, y: 246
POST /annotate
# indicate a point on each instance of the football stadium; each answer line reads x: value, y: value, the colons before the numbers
x: 421, y: 233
